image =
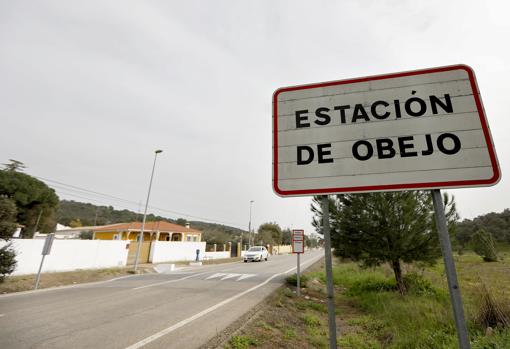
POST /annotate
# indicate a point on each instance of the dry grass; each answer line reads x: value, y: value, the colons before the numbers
x: 27, y: 282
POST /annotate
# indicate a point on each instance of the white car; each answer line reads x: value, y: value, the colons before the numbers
x: 256, y: 253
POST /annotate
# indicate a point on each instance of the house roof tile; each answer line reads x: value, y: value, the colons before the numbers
x: 149, y: 226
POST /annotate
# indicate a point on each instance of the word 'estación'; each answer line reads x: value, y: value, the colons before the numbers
x: 383, y: 148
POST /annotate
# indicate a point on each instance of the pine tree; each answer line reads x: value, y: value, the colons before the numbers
x: 7, y: 228
x: 391, y: 227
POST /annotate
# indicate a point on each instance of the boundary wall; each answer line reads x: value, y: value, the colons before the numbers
x: 173, y: 251
x: 67, y: 255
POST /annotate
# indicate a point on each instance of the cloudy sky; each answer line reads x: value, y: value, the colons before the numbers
x: 89, y: 89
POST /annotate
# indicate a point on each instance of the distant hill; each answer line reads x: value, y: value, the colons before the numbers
x: 498, y: 224
x: 69, y: 212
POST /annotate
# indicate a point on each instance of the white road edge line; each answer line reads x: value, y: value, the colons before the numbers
x: 184, y: 322
x: 168, y: 282
x: 198, y: 315
x: 2, y: 315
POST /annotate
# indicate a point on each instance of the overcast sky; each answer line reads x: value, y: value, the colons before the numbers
x: 89, y: 89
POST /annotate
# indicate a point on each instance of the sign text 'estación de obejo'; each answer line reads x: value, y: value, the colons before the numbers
x: 414, y: 130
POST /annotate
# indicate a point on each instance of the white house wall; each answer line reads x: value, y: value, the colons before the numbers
x: 171, y: 251
x: 67, y: 255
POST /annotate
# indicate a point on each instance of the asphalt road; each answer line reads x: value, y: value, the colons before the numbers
x: 181, y: 309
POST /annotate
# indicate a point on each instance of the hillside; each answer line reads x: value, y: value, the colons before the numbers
x: 70, y: 211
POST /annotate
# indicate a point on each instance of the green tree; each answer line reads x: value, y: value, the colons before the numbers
x: 14, y: 166
x: 181, y: 221
x: 33, y: 198
x: 7, y: 218
x: 286, y: 236
x: 482, y: 243
x: 270, y: 233
x: 75, y: 223
x: 391, y: 227
x: 216, y: 237
x: 7, y: 227
x: 265, y: 237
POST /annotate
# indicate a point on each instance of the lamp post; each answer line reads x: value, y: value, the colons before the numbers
x: 140, y: 240
x: 250, y: 237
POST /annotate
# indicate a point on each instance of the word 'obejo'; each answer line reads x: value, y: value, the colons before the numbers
x: 380, y: 148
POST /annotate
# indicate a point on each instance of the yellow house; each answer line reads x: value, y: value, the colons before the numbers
x: 152, y: 231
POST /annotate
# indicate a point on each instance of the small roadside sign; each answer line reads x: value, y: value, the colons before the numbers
x: 47, y: 244
x: 298, y: 241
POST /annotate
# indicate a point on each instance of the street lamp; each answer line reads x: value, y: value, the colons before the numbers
x: 250, y: 237
x: 140, y: 240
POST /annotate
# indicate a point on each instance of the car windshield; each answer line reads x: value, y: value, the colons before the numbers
x: 253, y: 249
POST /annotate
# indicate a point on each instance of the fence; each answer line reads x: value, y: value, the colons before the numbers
x: 67, y: 255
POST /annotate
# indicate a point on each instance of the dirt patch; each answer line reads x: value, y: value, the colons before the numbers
x: 27, y: 282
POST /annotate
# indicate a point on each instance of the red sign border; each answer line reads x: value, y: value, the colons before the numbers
x: 303, y: 240
x: 390, y: 187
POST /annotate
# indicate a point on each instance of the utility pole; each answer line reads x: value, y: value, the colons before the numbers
x: 37, y: 223
x: 140, y: 240
x: 250, y: 236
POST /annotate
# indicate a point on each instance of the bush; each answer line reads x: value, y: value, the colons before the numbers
x: 242, y: 342
x: 86, y: 235
x: 372, y: 284
x: 292, y: 280
x: 311, y: 320
x: 493, y: 312
x: 417, y: 284
x: 7, y: 261
x: 483, y: 245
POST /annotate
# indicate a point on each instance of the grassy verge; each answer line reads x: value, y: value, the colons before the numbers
x: 371, y: 314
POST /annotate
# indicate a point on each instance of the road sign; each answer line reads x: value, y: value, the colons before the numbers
x: 422, y: 129
x: 48, y: 242
x: 298, y: 241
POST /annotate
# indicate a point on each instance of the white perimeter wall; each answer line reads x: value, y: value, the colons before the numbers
x: 171, y: 251
x: 68, y: 255
x: 217, y: 255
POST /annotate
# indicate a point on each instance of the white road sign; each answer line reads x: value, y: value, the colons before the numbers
x: 422, y: 129
x: 298, y: 241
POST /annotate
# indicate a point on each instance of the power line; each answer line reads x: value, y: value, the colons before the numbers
x: 83, y: 191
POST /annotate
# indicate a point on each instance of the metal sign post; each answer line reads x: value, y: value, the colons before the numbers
x: 451, y: 274
x: 45, y: 251
x: 298, y: 247
x: 329, y: 272
x: 298, y: 278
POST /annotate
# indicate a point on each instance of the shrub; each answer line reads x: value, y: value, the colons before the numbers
x: 483, y: 245
x: 7, y: 261
x: 417, y: 284
x: 493, y: 312
x: 311, y: 320
x: 86, y: 235
x: 292, y: 280
x: 242, y: 342
x: 372, y: 284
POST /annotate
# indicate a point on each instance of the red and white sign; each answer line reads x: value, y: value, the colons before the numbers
x: 298, y: 241
x: 422, y: 129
